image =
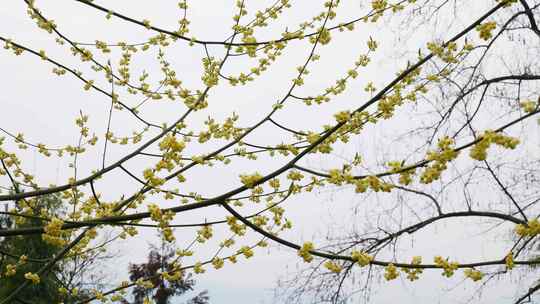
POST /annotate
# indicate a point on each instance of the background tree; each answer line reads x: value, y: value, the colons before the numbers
x: 22, y: 257
x: 413, y: 123
x: 164, y: 288
x: 25, y: 255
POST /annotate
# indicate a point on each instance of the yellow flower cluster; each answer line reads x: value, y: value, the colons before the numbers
x: 361, y: 258
x: 100, y: 45
x: 74, y: 150
x: 343, y: 116
x: 205, y: 233
x: 227, y: 130
x: 217, y: 262
x: 260, y: 220
x: 146, y: 23
x: 9, y: 45
x: 82, y: 122
x: 373, y: 182
x: 529, y: 106
x: 274, y: 183
x: 195, y: 100
x: 413, y: 274
x: 99, y: 296
x: 473, y: 274
x: 171, y: 143
x: 235, y: 227
x: 172, y: 277
x: 32, y: 277
x: 370, y: 87
x: 63, y: 291
x: 246, y: 251
x: 333, y: 266
x: 531, y: 229
x: 153, y: 180
x: 278, y: 214
x: 295, y: 176
x: 116, y: 297
x: 445, y: 52
x: 184, y: 253
x: 388, y: 104
x: 271, y: 52
x: 168, y: 234
x: 250, y: 180
x: 86, y: 55
x: 155, y: 212
x: 323, y: 147
x: 509, y: 261
x: 305, y: 253
x: 479, y: 151
x: 448, y: 267
x: 147, y: 284
x: 211, y: 72
x: 439, y: 160
x: 88, y: 85
x: 163, y: 220
x: 42, y: 149
x: 247, y: 37
x: 53, y: 231
x: 23, y: 259
x: 197, y: 268
x: 485, y: 30
x: 44, y: 24
x: 391, y: 272
x: 405, y: 176
x: 372, y: 44
x: 338, y: 177
x: 378, y: 5
x: 11, y: 270
x: 59, y: 71
x: 324, y: 37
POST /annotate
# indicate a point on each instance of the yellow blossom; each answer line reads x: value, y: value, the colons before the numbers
x: 361, y: 258
x: 509, y: 260
x: 485, y: 30
x: 332, y: 266
x: 32, y: 277
x: 305, y: 253
x: 250, y: 180
x: 473, y: 274
x: 391, y: 272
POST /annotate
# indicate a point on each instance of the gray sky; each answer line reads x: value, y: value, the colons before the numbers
x: 44, y: 107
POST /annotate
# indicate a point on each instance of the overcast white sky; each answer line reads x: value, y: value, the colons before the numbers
x: 43, y: 107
